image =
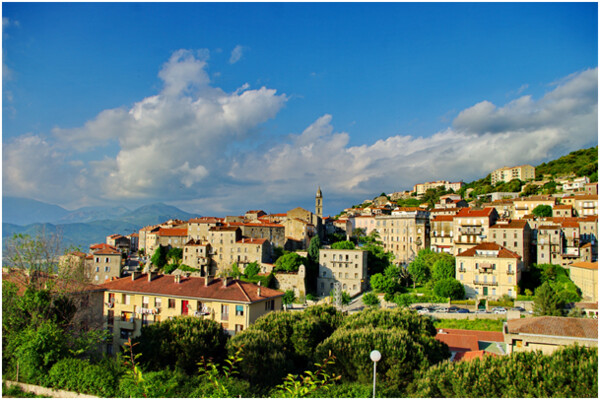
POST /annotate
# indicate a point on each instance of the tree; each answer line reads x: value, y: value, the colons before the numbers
x: 406, y: 341
x: 546, y: 302
x: 542, y: 210
x: 159, y: 258
x: 370, y: 299
x: 343, y: 245
x: 175, y: 255
x: 346, y: 298
x: 288, y: 297
x: 313, y: 250
x: 420, y: 267
x: 181, y: 342
x: 443, y: 267
x: 449, y: 287
x: 289, y: 262
x: 252, y: 269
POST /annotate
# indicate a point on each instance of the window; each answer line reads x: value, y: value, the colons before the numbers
x: 171, y: 303
x: 126, y: 299
x: 109, y: 349
x: 239, y: 328
x: 157, y: 302
x: 144, y: 319
x: 126, y: 316
x: 106, y: 269
x: 224, y: 312
x: 239, y: 311
x: 270, y: 305
x: 97, y: 269
x: 355, y: 276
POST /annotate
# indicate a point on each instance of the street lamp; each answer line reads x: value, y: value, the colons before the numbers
x: 375, y: 356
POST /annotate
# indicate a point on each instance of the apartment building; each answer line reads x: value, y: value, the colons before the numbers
x: 504, y: 207
x: 228, y: 246
x: 404, y: 233
x: 421, y: 188
x: 471, y: 227
x: 549, y: 244
x: 197, y: 228
x: 562, y: 211
x: 575, y: 185
x: 349, y: 267
x: 525, y: 205
x: 507, y: 174
x: 274, y: 233
x: 585, y: 276
x: 488, y: 271
x: 120, y: 242
x: 131, y: 303
x: 586, y: 205
x: 441, y: 234
x: 103, y: 264
x: 516, y: 236
x: 197, y: 254
x: 365, y: 222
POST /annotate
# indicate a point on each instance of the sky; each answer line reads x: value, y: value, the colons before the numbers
x: 219, y: 108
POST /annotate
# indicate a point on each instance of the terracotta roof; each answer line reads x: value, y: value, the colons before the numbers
x: 442, y: 218
x: 102, y: 246
x: 458, y: 342
x: 77, y: 254
x: 503, y: 252
x: 468, y: 212
x: 562, y: 207
x: 205, y: 220
x: 408, y: 209
x: 223, y: 228
x: 471, y: 355
x: 236, y: 291
x: 511, y: 224
x: 586, y: 265
x: 262, y: 225
x: 589, y: 218
x: 482, y: 336
x: 549, y: 227
x: 172, y: 232
x: 589, y: 306
x: 555, y: 326
x: 586, y: 197
x: 251, y: 241
x: 106, y: 252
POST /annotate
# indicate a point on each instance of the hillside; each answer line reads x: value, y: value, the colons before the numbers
x: 580, y: 163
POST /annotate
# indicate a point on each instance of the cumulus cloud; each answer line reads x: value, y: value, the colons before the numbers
x: 236, y: 54
x: 177, y: 146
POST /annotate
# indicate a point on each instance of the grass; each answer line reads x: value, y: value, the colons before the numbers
x: 494, y: 325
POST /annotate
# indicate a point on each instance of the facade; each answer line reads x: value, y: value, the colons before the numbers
x: 489, y: 271
x: 562, y: 211
x: 120, y: 242
x: 471, y: 227
x: 197, y: 228
x: 196, y: 254
x: 576, y: 185
x: 365, y: 222
x: 421, y: 188
x: 404, y: 233
x: 274, y: 233
x: 441, y: 232
x: 348, y: 267
x: 319, y: 203
x: 507, y: 174
x: 525, y: 205
x: 585, y: 276
x: 171, y: 237
x: 549, y: 244
x: 103, y: 264
x: 133, y: 302
x: 516, y: 236
x: 548, y: 334
x: 586, y: 205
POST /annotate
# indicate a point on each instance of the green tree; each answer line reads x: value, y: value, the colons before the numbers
x: 546, y: 302
x: 343, y: 245
x: 251, y: 269
x: 175, y: 255
x: 181, y: 342
x: 159, y: 258
x: 289, y: 262
x: 420, y: 268
x: 443, y: 267
x: 542, y: 210
x: 449, y: 287
x: 385, y: 283
x: 370, y: 299
x: 530, y: 189
x: 313, y: 250
x: 288, y: 297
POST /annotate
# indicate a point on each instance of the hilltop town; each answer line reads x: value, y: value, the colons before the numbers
x: 523, y: 262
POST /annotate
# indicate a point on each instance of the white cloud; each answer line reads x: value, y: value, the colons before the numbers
x: 177, y: 146
x: 236, y: 54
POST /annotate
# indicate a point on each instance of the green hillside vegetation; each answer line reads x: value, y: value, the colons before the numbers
x: 579, y: 163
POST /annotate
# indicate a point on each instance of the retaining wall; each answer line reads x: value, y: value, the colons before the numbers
x: 44, y: 391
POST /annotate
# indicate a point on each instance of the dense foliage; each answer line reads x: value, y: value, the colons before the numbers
x: 568, y: 372
x: 343, y: 245
x: 581, y: 163
x: 289, y: 262
x: 450, y: 288
x: 542, y: 210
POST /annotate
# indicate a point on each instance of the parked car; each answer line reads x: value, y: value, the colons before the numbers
x: 499, y: 310
x: 521, y: 309
x: 452, y: 309
x: 481, y: 311
x: 442, y: 310
x: 423, y: 311
x: 417, y: 307
x: 462, y: 311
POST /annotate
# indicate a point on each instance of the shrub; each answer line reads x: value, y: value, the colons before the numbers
x: 449, y: 287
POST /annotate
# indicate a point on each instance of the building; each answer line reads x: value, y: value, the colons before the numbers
x: 319, y: 203
x: 515, y: 235
x: 122, y: 243
x: 585, y: 276
x: 471, y: 227
x: 562, y: 211
x: 274, y: 233
x: 549, y: 244
x: 103, y: 263
x: 489, y: 271
x: 404, y: 233
x: 525, y: 205
x: 576, y: 185
x: 465, y: 344
x: 348, y: 267
x: 441, y: 232
x: 197, y: 254
x: 133, y: 302
x: 591, y: 188
x: 507, y: 174
x: 548, y: 334
x: 586, y: 205
x: 197, y: 228
x: 421, y: 188
x: 228, y: 246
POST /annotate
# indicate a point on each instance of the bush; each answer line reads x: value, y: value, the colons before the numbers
x: 343, y: 245
x: 82, y: 377
x: 449, y: 288
x: 370, y: 299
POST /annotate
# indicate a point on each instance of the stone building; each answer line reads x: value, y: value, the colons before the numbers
x: 349, y: 267
x: 404, y: 233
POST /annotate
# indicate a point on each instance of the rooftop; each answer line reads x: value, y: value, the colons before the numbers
x: 555, y: 326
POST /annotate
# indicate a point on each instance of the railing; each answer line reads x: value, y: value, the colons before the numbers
x: 510, y: 272
x: 462, y: 270
x: 485, y: 283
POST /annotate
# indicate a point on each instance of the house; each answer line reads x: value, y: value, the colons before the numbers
x: 197, y: 228
x: 525, y: 205
x: 562, y: 210
x: 133, y: 302
x: 516, y: 236
x: 489, y: 271
x: 348, y: 267
x: 122, y: 243
x: 585, y: 276
x: 421, y: 188
x: 586, y: 205
x: 441, y: 232
x: 465, y: 345
x: 507, y: 174
x: 549, y: 334
x: 103, y: 263
x: 471, y: 227
x: 404, y: 233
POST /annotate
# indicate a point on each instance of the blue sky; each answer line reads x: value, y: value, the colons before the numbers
x: 219, y: 108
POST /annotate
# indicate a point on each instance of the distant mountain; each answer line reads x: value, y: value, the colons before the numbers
x: 21, y: 211
x: 83, y: 234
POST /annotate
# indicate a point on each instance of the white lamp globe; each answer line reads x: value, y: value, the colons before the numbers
x: 375, y: 356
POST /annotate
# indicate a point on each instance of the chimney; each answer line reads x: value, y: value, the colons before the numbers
x: 258, y: 290
x: 151, y: 275
x: 208, y: 280
x: 226, y: 281
x: 134, y: 276
x: 177, y: 278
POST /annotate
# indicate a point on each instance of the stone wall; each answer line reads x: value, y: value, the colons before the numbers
x: 40, y: 390
x: 295, y: 281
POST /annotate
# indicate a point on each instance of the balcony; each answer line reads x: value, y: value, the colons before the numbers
x: 485, y: 283
x: 462, y: 270
x: 510, y: 272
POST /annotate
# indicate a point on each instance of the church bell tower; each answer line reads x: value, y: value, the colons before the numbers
x: 319, y: 203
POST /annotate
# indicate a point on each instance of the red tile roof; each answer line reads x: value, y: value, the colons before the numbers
x: 562, y: 207
x: 236, y: 291
x: 102, y: 246
x: 442, y: 218
x: 511, y: 224
x: 555, y: 326
x: 458, y: 342
x: 172, y: 232
x: 586, y: 265
x: 468, y: 212
x: 482, y: 336
x: 106, y: 252
x: 205, y: 220
x: 503, y: 252
x: 251, y: 241
x: 471, y: 355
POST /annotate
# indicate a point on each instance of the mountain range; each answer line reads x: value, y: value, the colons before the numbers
x: 83, y: 226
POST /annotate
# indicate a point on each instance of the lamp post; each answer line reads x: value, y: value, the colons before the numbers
x: 375, y: 356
